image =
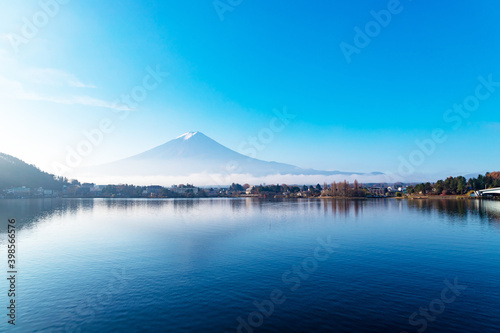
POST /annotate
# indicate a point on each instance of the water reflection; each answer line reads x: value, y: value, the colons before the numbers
x: 344, y: 207
x: 459, y: 210
x: 188, y: 257
x: 28, y: 212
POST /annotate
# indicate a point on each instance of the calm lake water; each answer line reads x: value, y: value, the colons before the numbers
x: 248, y: 265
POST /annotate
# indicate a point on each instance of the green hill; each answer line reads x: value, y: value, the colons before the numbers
x: 16, y: 173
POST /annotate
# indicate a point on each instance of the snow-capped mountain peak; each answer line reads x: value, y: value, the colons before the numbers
x: 194, y: 153
x: 187, y: 135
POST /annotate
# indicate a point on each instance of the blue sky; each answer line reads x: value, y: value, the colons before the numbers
x: 227, y: 76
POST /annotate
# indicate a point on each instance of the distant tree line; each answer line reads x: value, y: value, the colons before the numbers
x: 132, y: 191
x: 283, y: 189
x: 457, y: 185
x: 280, y: 189
x: 236, y: 187
x: 341, y: 189
x: 344, y: 189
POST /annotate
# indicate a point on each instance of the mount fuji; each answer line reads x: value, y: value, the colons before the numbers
x: 194, y: 157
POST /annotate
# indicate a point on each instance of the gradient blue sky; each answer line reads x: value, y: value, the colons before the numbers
x: 226, y: 77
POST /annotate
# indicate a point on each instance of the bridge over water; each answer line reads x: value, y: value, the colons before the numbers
x: 490, y: 191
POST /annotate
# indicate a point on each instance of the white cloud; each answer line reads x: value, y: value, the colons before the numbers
x: 18, y: 82
x: 205, y: 179
x: 50, y: 76
x: 78, y: 84
x: 11, y: 89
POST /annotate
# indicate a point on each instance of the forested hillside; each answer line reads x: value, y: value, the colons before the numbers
x: 16, y: 173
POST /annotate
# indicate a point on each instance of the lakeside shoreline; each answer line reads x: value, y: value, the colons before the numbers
x: 420, y: 197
